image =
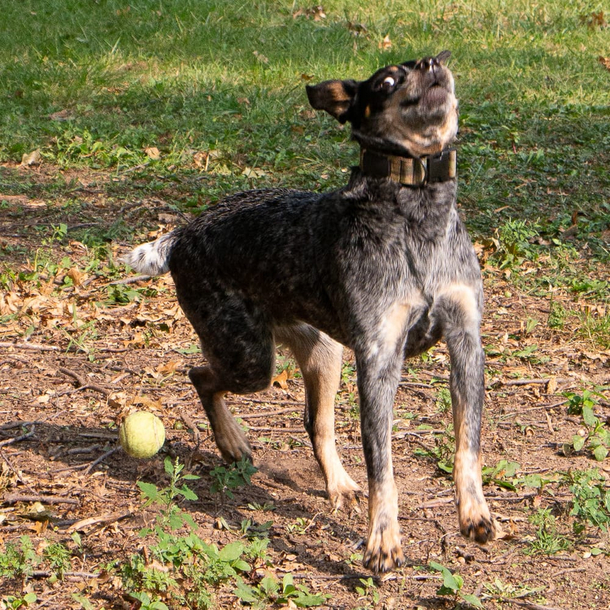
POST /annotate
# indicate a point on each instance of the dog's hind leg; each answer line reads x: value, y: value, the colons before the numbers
x: 461, y: 319
x: 239, y: 346
x: 319, y: 358
x: 230, y: 439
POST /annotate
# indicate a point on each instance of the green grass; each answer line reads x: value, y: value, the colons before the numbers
x: 191, y: 76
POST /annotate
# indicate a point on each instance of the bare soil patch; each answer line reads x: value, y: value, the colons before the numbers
x: 74, y: 359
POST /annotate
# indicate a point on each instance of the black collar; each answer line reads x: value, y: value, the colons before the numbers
x: 410, y: 171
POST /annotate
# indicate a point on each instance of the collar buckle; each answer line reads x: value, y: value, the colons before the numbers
x: 410, y: 171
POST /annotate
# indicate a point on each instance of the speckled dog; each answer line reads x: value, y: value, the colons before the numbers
x: 383, y: 266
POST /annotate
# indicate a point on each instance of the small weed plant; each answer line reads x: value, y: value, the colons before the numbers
x: 284, y: 593
x: 502, y: 474
x: 596, y: 438
x: 443, y: 450
x: 19, y: 561
x: 13, y: 602
x: 368, y: 592
x: 179, y: 555
x: 166, y: 499
x: 227, y: 478
x: 591, y: 503
x: 547, y: 541
x: 514, y: 243
x: 443, y: 400
x: 452, y: 586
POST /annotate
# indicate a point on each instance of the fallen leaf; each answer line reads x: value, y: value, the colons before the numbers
x: 604, y: 61
x: 32, y: 158
x: 168, y: 367
x: 201, y: 159
x: 252, y: 172
x: 282, y: 379
x: 153, y: 153
x: 61, y: 115
x: 386, y: 43
x: 262, y: 58
x: 76, y: 276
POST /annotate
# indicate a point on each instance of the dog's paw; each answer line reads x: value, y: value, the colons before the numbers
x: 383, y: 551
x: 344, y: 494
x: 483, y: 530
x: 232, y: 443
x: 476, y: 522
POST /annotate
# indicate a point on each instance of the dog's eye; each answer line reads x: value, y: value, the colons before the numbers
x: 388, y: 83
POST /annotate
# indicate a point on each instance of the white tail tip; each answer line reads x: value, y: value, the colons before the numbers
x: 152, y: 258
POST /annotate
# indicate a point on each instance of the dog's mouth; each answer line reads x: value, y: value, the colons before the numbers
x: 435, y: 94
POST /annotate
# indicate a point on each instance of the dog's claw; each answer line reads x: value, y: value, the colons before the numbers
x: 348, y: 500
x: 383, y: 550
x: 482, y: 532
x: 233, y: 445
x: 379, y: 560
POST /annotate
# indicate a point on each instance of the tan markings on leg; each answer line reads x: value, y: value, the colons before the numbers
x: 463, y: 296
x: 319, y: 358
x: 383, y: 549
x: 230, y: 439
x: 322, y: 380
x: 392, y: 326
x: 473, y: 513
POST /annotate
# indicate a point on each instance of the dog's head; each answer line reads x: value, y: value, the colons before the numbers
x: 405, y: 108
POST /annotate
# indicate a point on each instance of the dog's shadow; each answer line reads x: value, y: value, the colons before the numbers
x: 57, y: 451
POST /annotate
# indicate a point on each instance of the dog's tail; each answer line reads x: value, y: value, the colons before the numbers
x: 152, y: 258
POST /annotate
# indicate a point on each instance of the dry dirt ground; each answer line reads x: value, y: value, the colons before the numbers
x: 77, y: 354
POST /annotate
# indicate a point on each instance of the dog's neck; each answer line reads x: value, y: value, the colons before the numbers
x: 409, y: 171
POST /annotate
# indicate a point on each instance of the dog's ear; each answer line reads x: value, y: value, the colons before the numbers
x: 334, y: 96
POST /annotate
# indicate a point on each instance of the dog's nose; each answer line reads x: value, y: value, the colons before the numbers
x: 427, y: 64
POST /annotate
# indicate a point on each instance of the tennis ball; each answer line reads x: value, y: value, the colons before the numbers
x: 142, y: 434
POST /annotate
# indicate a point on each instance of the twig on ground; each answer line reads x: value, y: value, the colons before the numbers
x: 30, y: 346
x: 301, y: 441
x: 272, y: 429
x: 80, y: 450
x: 94, y: 387
x: 413, y: 384
x: 16, y: 472
x: 553, y: 405
x: 530, y: 605
x: 192, y: 426
x: 103, y: 519
x: 517, y: 382
x: 14, y: 498
x: 17, y: 424
x: 274, y: 402
x: 82, y: 384
x: 265, y: 414
x: 69, y: 575
x: 93, y: 464
x: 436, y: 503
x: 568, y: 570
x: 17, y: 439
x: 129, y: 280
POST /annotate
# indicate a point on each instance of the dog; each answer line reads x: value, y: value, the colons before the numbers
x: 383, y: 266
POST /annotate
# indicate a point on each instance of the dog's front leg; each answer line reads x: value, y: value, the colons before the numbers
x: 377, y: 383
x: 461, y: 320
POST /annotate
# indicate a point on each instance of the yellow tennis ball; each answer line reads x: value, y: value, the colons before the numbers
x: 142, y: 434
